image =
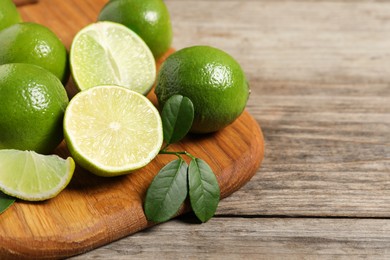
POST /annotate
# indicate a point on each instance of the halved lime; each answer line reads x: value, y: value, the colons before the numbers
x: 108, y: 53
x: 112, y: 130
x: 31, y: 176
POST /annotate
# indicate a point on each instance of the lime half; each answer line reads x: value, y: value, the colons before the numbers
x: 31, y: 176
x: 108, y: 53
x: 112, y: 130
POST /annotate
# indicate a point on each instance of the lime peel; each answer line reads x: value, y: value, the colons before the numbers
x: 149, y: 19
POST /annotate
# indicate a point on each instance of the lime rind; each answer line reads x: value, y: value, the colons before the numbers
x: 123, y: 138
x: 9, y: 14
x: 33, y: 177
x: 108, y: 53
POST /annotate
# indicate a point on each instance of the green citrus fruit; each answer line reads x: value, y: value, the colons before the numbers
x: 112, y: 130
x: 9, y: 15
x: 107, y: 53
x: 34, y: 177
x: 148, y: 18
x: 212, y: 79
x: 33, y: 103
x: 35, y: 44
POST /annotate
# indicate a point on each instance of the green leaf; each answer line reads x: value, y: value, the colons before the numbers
x: 167, y: 191
x: 203, y: 189
x: 5, y: 202
x: 177, y: 116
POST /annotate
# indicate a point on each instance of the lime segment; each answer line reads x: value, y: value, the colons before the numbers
x: 107, y: 53
x: 33, y: 177
x: 112, y: 130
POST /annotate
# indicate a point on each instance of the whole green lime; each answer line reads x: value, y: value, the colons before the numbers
x: 35, y: 44
x: 9, y: 15
x: 212, y: 79
x: 33, y: 103
x: 148, y: 18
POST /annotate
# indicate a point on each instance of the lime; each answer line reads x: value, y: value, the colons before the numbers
x: 35, y: 44
x: 9, y: 15
x: 31, y: 176
x: 112, y: 130
x: 212, y: 79
x: 107, y: 53
x: 148, y: 18
x: 33, y: 103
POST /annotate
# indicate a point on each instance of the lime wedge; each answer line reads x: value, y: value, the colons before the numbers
x: 112, y: 130
x: 108, y: 53
x: 31, y: 176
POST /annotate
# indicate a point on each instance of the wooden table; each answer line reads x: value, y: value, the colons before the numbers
x: 319, y: 73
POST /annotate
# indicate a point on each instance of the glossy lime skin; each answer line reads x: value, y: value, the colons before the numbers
x: 9, y: 15
x: 148, y: 18
x: 212, y: 79
x: 33, y: 103
x: 35, y: 44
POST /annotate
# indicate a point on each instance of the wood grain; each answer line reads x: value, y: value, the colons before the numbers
x: 256, y: 238
x: 24, y: 2
x: 320, y: 74
x: 320, y: 89
x: 93, y: 211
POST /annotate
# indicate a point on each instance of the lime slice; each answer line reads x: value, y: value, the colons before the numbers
x: 31, y: 176
x: 112, y: 130
x: 108, y: 53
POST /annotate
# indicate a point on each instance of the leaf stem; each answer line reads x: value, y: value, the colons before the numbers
x: 178, y: 154
x: 168, y: 152
x: 165, y: 147
x: 190, y: 155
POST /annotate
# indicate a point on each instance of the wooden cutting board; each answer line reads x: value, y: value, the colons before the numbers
x: 93, y: 211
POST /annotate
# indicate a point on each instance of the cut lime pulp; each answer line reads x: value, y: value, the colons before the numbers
x: 112, y: 130
x: 108, y: 53
x: 31, y: 176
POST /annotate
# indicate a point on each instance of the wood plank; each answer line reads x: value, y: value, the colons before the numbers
x: 258, y: 238
x: 326, y: 154
x: 320, y: 78
x: 292, y: 41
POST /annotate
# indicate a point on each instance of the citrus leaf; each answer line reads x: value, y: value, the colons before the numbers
x: 177, y: 116
x: 203, y: 189
x: 5, y: 202
x: 167, y: 191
